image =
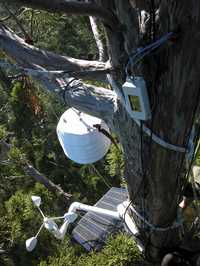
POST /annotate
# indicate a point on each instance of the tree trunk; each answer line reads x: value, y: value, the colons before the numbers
x: 155, y: 174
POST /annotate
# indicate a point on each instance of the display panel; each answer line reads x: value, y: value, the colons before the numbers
x: 135, y: 103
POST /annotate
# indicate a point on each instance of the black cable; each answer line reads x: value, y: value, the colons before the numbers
x: 142, y: 183
x: 124, y: 216
x: 66, y: 87
x: 107, y: 134
x: 142, y: 169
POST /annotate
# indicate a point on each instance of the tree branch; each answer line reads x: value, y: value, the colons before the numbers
x: 128, y: 17
x: 97, y: 37
x: 31, y: 57
x: 96, y: 101
x: 19, y: 24
x: 90, y: 99
x: 72, y: 8
x: 38, y: 177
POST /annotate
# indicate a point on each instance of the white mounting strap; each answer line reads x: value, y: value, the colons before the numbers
x: 160, y: 141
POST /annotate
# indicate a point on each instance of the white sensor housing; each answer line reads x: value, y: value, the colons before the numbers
x: 136, y: 98
x: 36, y: 201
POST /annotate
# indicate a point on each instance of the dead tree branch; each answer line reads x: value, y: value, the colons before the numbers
x: 38, y: 177
x: 90, y: 99
x: 96, y: 101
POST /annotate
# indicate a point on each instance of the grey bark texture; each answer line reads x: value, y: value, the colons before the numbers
x: 154, y: 174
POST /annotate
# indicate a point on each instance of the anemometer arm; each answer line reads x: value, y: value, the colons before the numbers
x: 59, y: 233
x: 76, y: 206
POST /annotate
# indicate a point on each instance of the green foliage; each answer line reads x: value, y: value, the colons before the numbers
x: 3, y: 132
x: 24, y: 220
x: 69, y: 35
x: 20, y: 209
x: 66, y: 255
x: 24, y: 120
x: 115, y: 162
x: 119, y: 251
x: 16, y: 155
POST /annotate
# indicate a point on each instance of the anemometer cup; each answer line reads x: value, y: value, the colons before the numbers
x: 31, y: 244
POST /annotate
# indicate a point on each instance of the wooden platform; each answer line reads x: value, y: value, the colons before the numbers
x: 93, y: 229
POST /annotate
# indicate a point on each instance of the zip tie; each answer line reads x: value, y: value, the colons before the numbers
x: 160, y: 141
x: 157, y: 228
